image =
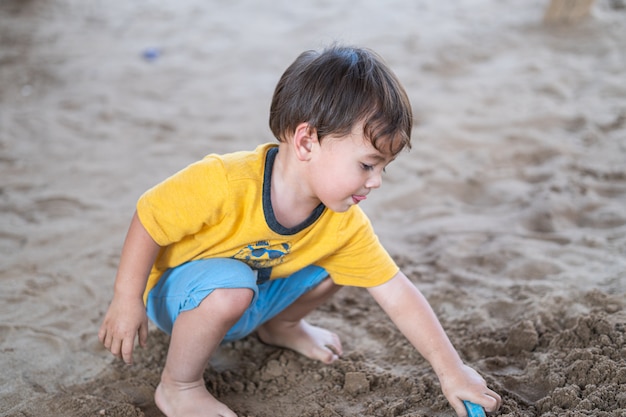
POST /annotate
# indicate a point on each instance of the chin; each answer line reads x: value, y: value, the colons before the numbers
x: 340, y: 208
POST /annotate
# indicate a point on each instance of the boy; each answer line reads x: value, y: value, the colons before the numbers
x: 254, y: 241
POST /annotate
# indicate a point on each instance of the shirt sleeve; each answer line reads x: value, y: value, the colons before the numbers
x: 362, y: 260
x: 185, y: 202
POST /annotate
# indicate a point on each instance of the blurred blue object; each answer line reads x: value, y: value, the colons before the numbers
x: 151, y: 54
x: 474, y: 410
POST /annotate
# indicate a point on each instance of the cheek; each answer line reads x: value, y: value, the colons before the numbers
x: 332, y: 181
x: 344, y: 181
x: 330, y: 171
x: 338, y: 174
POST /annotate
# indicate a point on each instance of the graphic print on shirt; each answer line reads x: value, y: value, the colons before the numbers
x: 262, y: 256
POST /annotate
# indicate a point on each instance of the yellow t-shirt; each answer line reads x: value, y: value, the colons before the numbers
x: 220, y: 207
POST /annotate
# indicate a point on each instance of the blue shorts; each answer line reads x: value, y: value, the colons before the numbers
x: 184, y: 287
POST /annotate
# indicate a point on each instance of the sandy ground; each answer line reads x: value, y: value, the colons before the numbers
x: 509, y: 212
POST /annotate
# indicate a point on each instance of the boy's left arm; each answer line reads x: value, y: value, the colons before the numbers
x: 409, y: 310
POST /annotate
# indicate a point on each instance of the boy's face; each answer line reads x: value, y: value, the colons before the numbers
x: 346, y: 169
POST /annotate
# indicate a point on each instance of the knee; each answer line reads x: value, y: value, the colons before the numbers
x: 328, y: 286
x: 228, y: 303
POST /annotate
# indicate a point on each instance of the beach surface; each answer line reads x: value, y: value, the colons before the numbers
x: 509, y: 212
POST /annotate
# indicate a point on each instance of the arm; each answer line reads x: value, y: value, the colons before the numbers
x: 126, y: 316
x: 409, y: 310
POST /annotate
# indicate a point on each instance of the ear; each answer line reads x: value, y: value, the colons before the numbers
x: 304, y: 140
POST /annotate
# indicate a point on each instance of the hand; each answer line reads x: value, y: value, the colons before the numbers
x: 465, y: 383
x: 125, y: 319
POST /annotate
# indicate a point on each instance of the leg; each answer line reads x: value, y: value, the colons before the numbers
x: 195, y: 336
x: 289, y: 329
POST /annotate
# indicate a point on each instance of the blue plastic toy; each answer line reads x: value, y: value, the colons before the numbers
x: 474, y: 410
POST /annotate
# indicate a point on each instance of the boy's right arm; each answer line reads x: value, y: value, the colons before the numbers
x: 126, y: 316
x: 410, y: 311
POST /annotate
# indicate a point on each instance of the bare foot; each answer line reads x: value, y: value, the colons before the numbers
x: 189, y: 399
x: 311, y: 341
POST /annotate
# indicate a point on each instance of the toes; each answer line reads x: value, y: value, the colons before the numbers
x: 325, y: 355
x: 334, y: 344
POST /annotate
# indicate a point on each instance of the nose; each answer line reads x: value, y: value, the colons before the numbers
x: 374, y: 181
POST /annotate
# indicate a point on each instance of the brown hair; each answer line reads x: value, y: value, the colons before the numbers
x: 335, y: 89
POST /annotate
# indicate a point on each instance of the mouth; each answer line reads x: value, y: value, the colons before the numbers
x: 358, y: 198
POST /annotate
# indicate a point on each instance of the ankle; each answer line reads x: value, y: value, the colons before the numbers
x: 275, y: 325
x: 169, y: 381
x: 189, y: 399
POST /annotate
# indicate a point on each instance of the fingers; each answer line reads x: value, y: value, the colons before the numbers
x: 113, y: 344
x: 102, y: 333
x: 490, y: 401
x: 493, y: 400
x: 143, y: 334
x: 126, y: 350
x: 122, y: 347
x: 104, y: 336
x: 459, y: 408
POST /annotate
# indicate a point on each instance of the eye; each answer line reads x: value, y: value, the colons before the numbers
x: 367, y: 167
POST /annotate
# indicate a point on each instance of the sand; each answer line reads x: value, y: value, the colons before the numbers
x: 509, y: 212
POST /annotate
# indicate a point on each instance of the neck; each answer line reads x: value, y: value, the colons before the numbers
x: 291, y: 197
